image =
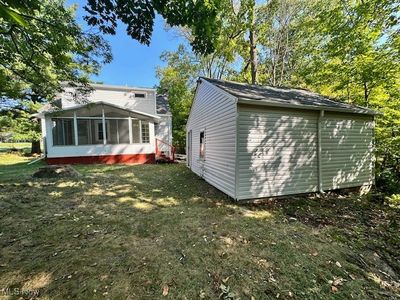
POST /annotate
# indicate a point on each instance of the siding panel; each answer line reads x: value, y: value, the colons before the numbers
x: 277, y: 152
x: 347, y: 150
x: 214, y: 112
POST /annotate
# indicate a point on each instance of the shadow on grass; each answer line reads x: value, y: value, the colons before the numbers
x: 129, y: 231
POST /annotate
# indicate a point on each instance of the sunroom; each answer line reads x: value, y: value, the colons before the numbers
x: 99, y: 132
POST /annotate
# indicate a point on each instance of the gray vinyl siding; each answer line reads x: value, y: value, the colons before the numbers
x: 164, y: 129
x: 214, y: 112
x: 347, y: 150
x: 277, y: 152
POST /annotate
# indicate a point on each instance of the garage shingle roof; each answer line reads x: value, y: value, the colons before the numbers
x: 284, y: 96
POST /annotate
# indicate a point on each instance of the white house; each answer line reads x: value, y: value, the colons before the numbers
x: 256, y: 141
x: 137, y: 123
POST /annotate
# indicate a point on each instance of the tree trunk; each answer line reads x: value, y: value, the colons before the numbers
x: 366, y: 93
x: 253, y: 47
x: 253, y: 57
x: 35, y: 149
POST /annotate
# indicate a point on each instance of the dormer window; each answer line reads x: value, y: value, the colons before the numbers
x: 140, y: 95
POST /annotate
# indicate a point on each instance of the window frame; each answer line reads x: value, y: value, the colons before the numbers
x: 202, y: 142
x: 141, y: 131
x: 97, y: 123
x: 140, y: 93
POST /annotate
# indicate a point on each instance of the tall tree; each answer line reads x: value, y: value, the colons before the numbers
x: 253, y: 41
x: 200, y: 16
x: 45, y: 47
x: 178, y: 80
x: 352, y: 52
x: 42, y: 47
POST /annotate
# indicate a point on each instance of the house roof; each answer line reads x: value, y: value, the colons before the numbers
x: 162, y: 105
x: 285, y: 97
x: 76, y: 107
x: 110, y: 87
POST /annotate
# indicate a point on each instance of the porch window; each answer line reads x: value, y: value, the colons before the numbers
x: 135, y: 131
x: 84, y: 136
x: 145, y: 132
x: 123, y: 131
x: 90, y: 131
x: 100, y: 130
x: 63, y: 132
x: 202, y: 145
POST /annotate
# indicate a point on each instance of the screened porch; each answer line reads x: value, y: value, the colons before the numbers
x: 100, y: 124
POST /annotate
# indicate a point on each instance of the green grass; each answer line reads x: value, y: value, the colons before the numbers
x: 133, y: 232
x: 14, y: 167
x: 5, y: 147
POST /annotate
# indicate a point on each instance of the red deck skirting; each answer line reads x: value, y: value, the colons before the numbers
x: 104, y: 159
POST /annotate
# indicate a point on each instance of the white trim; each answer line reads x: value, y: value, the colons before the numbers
x: 130, y: 130
x: 103, y: 120
x: 117, y: 132
x: 140, y: 131
x: 75, y: 129
x: 94, y: 118
x: 77, y: 107
x: 109, y: 87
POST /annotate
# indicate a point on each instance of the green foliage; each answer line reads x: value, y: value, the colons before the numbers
x: 348, y: 50
x: 393, y: 200
x: 138, y: 16
x: 355, y: 57
x: 19, y: 123
x: 177, y: 79
x: 42, y: 45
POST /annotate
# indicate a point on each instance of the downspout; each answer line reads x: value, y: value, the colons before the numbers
x: 319, y: 150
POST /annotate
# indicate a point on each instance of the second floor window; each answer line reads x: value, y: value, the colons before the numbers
x: 140, y: 95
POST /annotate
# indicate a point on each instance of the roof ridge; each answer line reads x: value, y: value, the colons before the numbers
x: 297, y: 97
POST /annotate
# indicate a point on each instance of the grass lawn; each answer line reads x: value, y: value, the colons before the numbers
x: 159, y: 231
x: 4, y: 147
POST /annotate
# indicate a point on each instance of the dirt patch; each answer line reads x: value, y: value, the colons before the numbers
x: 56, y: 171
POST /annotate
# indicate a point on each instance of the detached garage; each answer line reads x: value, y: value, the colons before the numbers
x: 257, y: 141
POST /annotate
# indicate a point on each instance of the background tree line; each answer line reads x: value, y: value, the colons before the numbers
x: 42, y: 45
x: 348, y: 50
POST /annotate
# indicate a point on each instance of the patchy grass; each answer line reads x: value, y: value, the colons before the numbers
x: 14, y: 167
x: 5, y: 147
x: 143, y: 231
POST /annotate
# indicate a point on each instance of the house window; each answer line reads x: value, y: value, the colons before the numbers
x: 99, y: 130
x: 63, y: 132
x: 135, y: 131
x: 140, y: 95
x: 202, y: 145
x: 84, y: 132
x: 145, y: 132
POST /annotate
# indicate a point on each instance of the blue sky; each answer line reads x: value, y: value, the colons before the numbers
x: 133, y: 64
